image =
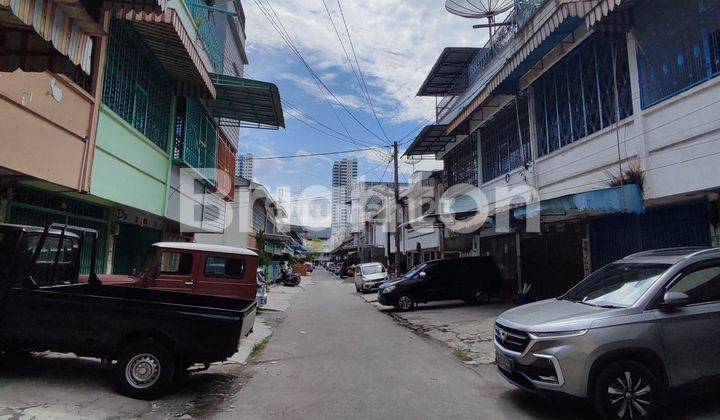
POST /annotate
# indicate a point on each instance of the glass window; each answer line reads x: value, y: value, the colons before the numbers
x: 224, y: 267
x: 50, y: 248
x: 176, y: 263
x: 616, y: 285
x: 702, y: 286
x: 372, y: 269
x: 502, y: 149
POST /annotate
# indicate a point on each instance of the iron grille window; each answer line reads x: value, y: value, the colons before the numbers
x: 461, y: 163
x: 576, y: 97
x: 195, y: 138
x: 677, y: 46
x: 137, y: 88
x: 503, y: 147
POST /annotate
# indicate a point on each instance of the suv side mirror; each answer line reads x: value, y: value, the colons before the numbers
x: 674, y: 300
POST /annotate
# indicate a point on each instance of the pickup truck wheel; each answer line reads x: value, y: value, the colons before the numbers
x: 626, y: 390
x: 144, y: 370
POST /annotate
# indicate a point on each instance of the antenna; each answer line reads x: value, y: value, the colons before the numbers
x: 480, y: 9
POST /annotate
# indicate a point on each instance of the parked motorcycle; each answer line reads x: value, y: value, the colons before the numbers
x: 291, y: 280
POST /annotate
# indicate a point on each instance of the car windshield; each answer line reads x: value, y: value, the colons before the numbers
x: 616, y: 285
x: 372, y: 269
x: 415, y: 270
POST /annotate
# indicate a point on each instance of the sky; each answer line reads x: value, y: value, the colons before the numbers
x: 396, y: 44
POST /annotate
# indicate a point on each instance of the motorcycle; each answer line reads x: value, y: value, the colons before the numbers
x: 291, y: 280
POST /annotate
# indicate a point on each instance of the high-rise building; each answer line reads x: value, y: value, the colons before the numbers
x: 245, y: 166
x: 344, y: 175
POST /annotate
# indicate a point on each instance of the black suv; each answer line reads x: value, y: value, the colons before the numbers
x: 473, y: 279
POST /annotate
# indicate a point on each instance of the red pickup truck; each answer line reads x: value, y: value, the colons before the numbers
x: 196, y: 268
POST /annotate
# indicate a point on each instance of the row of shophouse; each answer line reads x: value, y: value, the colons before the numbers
x: 592, y: 129
x: 125, y: 117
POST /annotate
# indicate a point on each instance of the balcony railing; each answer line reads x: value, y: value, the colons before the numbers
x: 203, y: 16
x: 444, y: 106
x: 496, y: 45
x: 525, y: 9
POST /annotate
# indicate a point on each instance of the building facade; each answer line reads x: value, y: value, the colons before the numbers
x: 589, y: 127
x: 344, y: 176
x: 138, y: 135
x: 246, y: 166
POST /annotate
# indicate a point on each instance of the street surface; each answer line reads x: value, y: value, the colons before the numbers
x: 332, y: 355
x: 336, y: 356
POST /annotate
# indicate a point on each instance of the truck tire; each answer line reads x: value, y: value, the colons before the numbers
x: 144, y: 370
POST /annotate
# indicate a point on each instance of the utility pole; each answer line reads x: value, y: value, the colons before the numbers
x: 397, y: 206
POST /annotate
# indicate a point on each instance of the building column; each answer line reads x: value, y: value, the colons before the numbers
x: 638, y: 119
x: 533, y: 137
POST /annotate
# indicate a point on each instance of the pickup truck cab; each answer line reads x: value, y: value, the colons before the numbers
x: 151, y: 335
x: 196, y: 268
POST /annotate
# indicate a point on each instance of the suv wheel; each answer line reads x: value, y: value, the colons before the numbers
x: 405, y: 303
x: 626, y: 390
x: 144, y: 370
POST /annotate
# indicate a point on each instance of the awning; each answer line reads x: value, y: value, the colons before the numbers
x: 445, y: 78
x: 173, y: 47
x: 532, y: 36
x: 278, y: 238
x: 66, y: 24
x: 627, y: 199
x: 246, y: 103
x: 431, y: 140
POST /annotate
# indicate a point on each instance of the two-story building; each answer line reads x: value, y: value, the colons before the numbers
x: 590, y: 129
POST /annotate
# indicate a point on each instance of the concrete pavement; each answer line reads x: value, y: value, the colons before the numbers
x: 336, y: 357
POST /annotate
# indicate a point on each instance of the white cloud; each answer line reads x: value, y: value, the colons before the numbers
x: 396, y: 42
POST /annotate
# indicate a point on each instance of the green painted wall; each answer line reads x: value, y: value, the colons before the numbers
x: 128, y: 168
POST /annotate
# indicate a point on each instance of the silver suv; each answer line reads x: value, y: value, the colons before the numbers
x: 623, y: 336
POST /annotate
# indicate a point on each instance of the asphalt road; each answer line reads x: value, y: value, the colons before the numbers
x: 337, y: 357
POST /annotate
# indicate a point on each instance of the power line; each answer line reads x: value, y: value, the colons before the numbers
x: 363, y: 85
x: 316, y: 154
x: 269, y: 11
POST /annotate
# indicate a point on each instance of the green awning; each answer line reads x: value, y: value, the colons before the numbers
x: 246, y: 103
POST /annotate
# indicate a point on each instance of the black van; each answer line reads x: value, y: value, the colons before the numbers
x: 473, y: 279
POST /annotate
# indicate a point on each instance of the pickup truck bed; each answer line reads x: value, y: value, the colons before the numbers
x: 95, y: 320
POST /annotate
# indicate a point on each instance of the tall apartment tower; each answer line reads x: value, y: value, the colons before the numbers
x: 245, y: 166
x: 344, y: 176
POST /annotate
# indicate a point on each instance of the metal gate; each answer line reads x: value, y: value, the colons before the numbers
x: 132, y: 247
x: 34, y: 208
x: 612, y: 238
x: 551, y: 262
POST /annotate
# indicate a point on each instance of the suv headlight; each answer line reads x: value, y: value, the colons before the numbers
x: 389, y: 289
x: 556, y: 334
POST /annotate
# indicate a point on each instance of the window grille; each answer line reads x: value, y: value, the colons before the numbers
x: 677, y: 46
x: 195, y: 138
x: 259, y: 216
x: 502, y: 150
x: 461, y: 163
x: 204, y: 23
x: 137, y: 88
x: 576, y: 97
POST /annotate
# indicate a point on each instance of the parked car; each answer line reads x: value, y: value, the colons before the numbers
x: 216, y: 270
x: 624, y: 336
x: 261, y: 296
x: 369, y: 276
x: 151, y: 335
x: 473, y: 279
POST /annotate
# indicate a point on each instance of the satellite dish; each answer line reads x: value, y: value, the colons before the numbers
x: 478, y: 9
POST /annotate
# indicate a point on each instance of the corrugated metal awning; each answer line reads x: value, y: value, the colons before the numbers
x: 66, y: 24
x: 445, y: 78
x: 241, y: 101
x: 533, y: 37
x: 431, y: 140
x: 165, y: 34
